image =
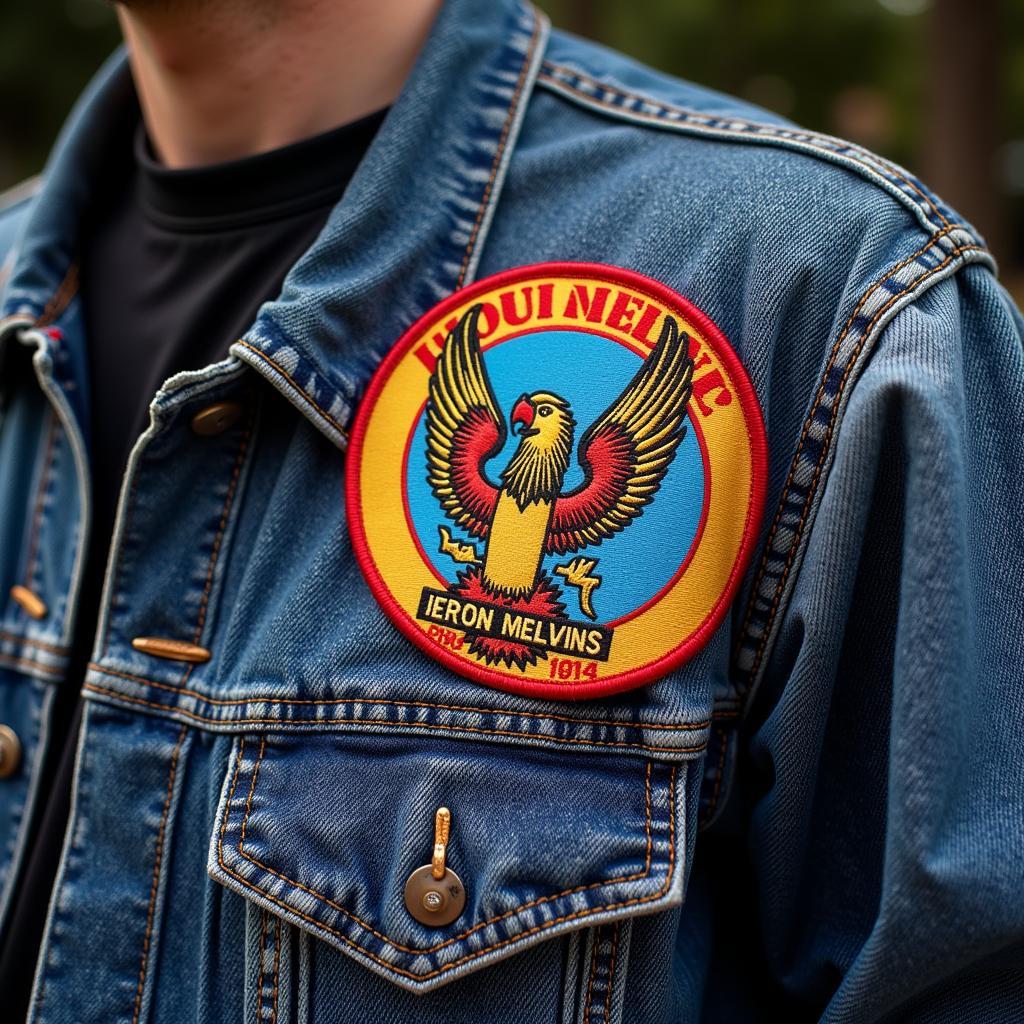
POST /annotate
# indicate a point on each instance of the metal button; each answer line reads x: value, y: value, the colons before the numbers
x: 174, y: 650
x: 434, y: 894
x: 434, y: 902
x: 32, y: 603
x: 10, y: 752
x: 216, y: 418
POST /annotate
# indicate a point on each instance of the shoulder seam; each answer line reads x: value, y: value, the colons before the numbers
x: 942, y: 256
x: 774, y: 575
x: 607, y: 97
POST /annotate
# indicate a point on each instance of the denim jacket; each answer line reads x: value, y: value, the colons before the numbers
x: 819, y: 810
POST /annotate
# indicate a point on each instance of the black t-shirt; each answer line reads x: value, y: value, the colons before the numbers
x: 174, y: 266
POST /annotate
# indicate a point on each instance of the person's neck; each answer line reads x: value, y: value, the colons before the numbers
x: 223, y: 79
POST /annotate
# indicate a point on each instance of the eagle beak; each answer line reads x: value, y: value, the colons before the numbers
x: 522, y: 414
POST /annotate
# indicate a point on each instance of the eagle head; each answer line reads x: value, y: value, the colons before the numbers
x: 544, y: 423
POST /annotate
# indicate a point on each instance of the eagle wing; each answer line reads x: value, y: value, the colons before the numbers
x: 627, y: 451
x: 464, y: 429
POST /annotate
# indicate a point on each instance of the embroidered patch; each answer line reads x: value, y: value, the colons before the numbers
x: 555, y: 480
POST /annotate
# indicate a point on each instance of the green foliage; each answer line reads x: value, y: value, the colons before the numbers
x: 48, y: 51
x: 860, y: 69
x: 856, y: 68
x: 805, y: 59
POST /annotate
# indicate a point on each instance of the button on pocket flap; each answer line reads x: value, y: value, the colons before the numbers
x: 325, y: 830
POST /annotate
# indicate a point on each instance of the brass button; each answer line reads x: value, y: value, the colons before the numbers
x: 434, y: 902
x: 434, y: 894
x: 10, y: 751
x: 29, y: 601
x: 174, y: 650
x: 216, y: 418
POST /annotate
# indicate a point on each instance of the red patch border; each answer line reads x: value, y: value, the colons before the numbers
x: 753, y: 418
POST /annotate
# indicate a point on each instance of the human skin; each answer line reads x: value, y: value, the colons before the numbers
x: 224, y: 79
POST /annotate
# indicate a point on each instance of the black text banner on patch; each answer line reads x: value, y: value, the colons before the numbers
x: 558, y: 636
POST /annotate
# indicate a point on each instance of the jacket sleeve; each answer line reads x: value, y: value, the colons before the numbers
x: 15, y: 206
x: 887, y: 741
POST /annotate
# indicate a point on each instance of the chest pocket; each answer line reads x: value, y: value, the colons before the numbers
x: 323, y: 830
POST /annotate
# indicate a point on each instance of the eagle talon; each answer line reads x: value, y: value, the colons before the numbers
x: 577, y: 574
x: 465, y: 554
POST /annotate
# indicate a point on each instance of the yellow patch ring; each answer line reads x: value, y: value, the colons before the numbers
x: 682, y: 619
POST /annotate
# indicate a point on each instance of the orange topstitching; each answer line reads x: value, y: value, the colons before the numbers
x: 258, y: 699
x: 578, y: 915
x: 171, y: 709
x: 809, y: 137
x: 780, y: 585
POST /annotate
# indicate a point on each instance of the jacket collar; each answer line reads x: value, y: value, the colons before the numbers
x: 407, y: 232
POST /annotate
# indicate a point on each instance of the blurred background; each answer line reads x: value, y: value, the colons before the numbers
x: 937, y: 85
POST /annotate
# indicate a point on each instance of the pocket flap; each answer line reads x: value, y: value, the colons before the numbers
x: 325, y: 829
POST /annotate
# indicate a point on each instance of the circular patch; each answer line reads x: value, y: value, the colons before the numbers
x: 555, y: 480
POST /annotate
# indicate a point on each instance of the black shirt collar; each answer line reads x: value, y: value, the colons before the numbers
x: 301, y: 176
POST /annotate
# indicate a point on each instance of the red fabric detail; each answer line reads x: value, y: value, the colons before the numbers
x: 607, y: 460
x: 522, y: 412
x: 473, y: 440
x: 542, y: 600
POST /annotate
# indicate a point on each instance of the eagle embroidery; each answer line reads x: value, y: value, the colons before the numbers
x: 624, y: 456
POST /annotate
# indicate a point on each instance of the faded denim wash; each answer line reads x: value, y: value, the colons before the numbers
x: 821, y: 814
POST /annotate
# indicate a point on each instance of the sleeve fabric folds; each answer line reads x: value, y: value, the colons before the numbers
x: 886, y: 746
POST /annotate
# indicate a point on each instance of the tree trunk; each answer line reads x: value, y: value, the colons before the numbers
x: 962, y: 123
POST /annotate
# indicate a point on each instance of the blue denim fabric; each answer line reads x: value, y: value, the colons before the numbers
x: 821, y: 813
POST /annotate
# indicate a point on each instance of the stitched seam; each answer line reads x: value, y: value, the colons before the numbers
x: 547, y: 925
x: 277, y: 969
x: 815, y: 405
x: 636, y: 876
x: 215, y: 552
x: 262, y: 973
x: 483, y: 924
x: 60, y: 299
x: 809, y: 137
x: 725, y: 712
x: 687, y: 727
x: 808, y: 502
x: 4, y: 635
x: 10, y: 659
x: 529, y: 932
x: 611, y: 973
x: 713, y: 803
x: 129, y: 514
x: 263, y: 981
x: 593, y: 973
x: 252, y: 789
x: 157, y: 860
x: 296, y: 385
x: 37, y: 517
x: 502, y: 142
x: 93, y: 688
x: 129, y: 511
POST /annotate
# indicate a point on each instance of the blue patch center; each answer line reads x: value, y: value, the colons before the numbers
x: 590, y: 372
